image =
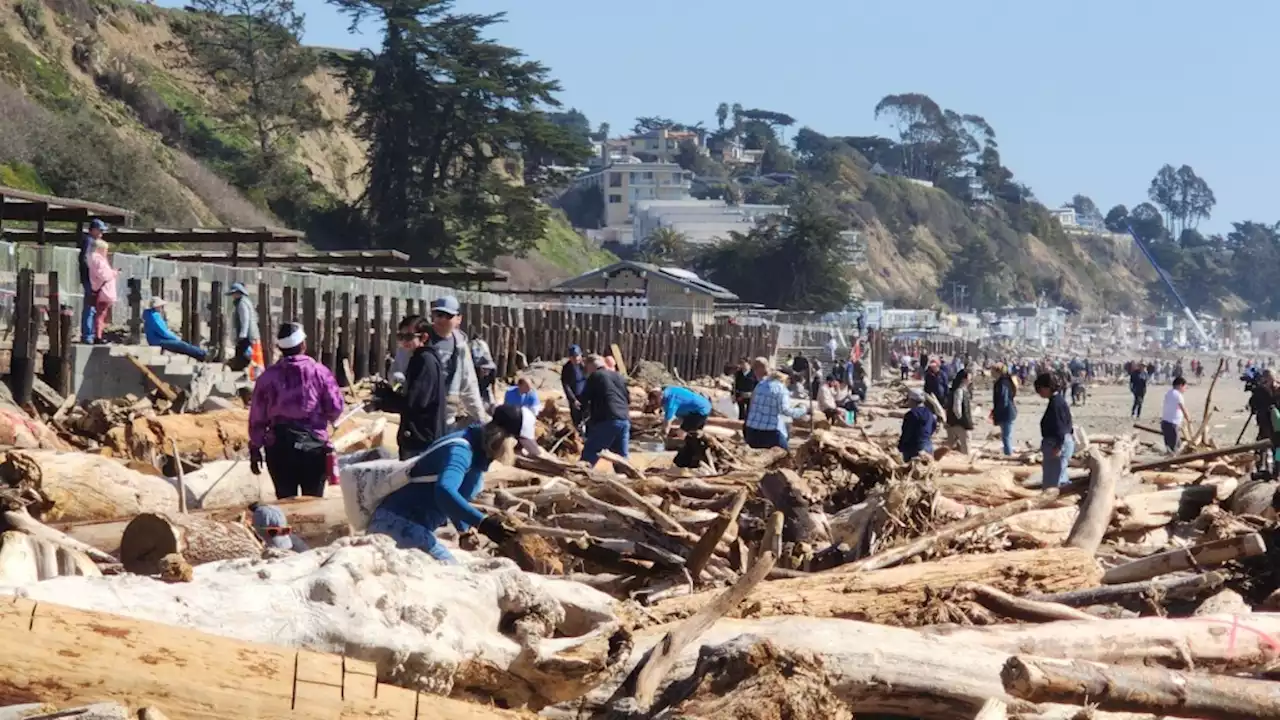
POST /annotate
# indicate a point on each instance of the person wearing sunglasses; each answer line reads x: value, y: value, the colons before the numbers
x: 451, y: 345
x: 421, y: 399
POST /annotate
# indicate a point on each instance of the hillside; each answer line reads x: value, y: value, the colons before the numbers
x: 99, y: 101
x: 918, y: 239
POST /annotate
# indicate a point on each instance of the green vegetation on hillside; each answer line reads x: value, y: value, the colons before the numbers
x: 562, y: 246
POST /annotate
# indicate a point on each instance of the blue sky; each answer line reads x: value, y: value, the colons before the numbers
x: 1087, y: 96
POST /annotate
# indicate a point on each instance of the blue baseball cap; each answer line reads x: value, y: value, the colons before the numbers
x: 96, y: 224
x: 574, y: 351
x: 237, y: 287
x: 447, y: 305
x: 272, y: 526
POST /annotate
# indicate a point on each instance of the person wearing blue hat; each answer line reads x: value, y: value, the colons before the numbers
x: 454, y: 350
x: 245, y: 326
x: 573, y: 380
x: 89, y: 312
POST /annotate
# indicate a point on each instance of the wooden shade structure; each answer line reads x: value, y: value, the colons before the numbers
x: 174, y: 236
x: 20, y: 205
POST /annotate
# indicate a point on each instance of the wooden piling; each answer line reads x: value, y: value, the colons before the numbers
x: 310, y: 321
x: 360, y: 364
x: 135, y: 310
x: 378, y: 351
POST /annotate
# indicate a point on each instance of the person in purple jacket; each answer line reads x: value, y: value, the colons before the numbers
x: 293, y: 404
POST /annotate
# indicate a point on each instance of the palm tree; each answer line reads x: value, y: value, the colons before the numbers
x: 722, y: 114
x: 665, y: 245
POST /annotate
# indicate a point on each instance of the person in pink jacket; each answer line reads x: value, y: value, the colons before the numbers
x: 102, y: 279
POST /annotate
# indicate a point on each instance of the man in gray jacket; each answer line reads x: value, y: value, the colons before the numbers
x: 454, y: 351
x: 244, y: 325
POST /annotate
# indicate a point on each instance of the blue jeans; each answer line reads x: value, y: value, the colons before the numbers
x: 1170, y: 433
x: 1055, y: 468
x: 409, y: 535
x: 183, y: 348
x: 612, y: 435
x: 1006, y: 436
x: 88, y: 314
x: 764, y: 439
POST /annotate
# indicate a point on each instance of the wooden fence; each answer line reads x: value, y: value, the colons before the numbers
x: 355, y: 335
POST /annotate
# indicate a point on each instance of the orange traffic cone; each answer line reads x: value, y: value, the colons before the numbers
x: 257, y: 362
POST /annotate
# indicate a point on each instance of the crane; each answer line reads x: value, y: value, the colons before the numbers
x: 1204, y: 336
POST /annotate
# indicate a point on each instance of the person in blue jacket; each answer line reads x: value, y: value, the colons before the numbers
x: 442, y: 483
x: 158, y: 333
x: 918, y: 426
x: 679, y: 403
x: 522, y: 394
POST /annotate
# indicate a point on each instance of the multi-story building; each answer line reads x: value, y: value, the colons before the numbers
x: 623, y: 185
x: 699, y: 221
x: 732, y: 151
x: 662, y: 145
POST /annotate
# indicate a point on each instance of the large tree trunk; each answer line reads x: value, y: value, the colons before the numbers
x: 898, y: 595
x: 950, y: 673
x: 318, y: 521
x: 1099, y: 503
x: 71, y: 657
x: 92, y: 487
x: 150, y: 537
x: 806, y: 522
x: 1153, y: 690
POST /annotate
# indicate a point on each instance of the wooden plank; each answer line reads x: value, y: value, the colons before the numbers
x: 618, y: 358
x: 165, y: 389
x: 70, y: 657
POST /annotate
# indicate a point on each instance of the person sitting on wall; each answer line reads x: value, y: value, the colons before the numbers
x: 158, y: 333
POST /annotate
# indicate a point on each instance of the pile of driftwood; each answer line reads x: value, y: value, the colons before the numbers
x: 849, y: 532
x: 835, y: 580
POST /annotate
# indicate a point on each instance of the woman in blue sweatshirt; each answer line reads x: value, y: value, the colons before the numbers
x: 442, y: 484
x: 1057, y: 435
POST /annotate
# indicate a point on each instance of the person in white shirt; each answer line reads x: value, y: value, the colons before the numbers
x: 527, y: 443
x: 1173, y: 413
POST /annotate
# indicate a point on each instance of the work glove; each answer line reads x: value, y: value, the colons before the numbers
x: 255, y: 461
x: 496, y: 528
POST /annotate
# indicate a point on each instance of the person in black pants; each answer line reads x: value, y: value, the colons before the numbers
x: 1138, y: 378
x: 744, y: 382
x: 573, y: 380
x: 422, y: 404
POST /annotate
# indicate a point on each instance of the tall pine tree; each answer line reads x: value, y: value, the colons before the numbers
x: 446, y: 113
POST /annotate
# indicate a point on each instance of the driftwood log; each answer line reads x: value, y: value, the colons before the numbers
x: 150, y: 537
x: 1153, y: 690
x: 26, y: 559
x: 1199, y: 556
x: 71, y: 657
x: 948, y: 673
x: 1183, y: 588
x: 318, y: 521
x: 1099, y: 503
x: 897, y: 595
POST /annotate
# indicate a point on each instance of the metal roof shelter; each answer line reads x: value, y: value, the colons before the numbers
x: 371, y: 258
x: 23, y: 206
x: 167, y: 236
x: 442, y: 275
